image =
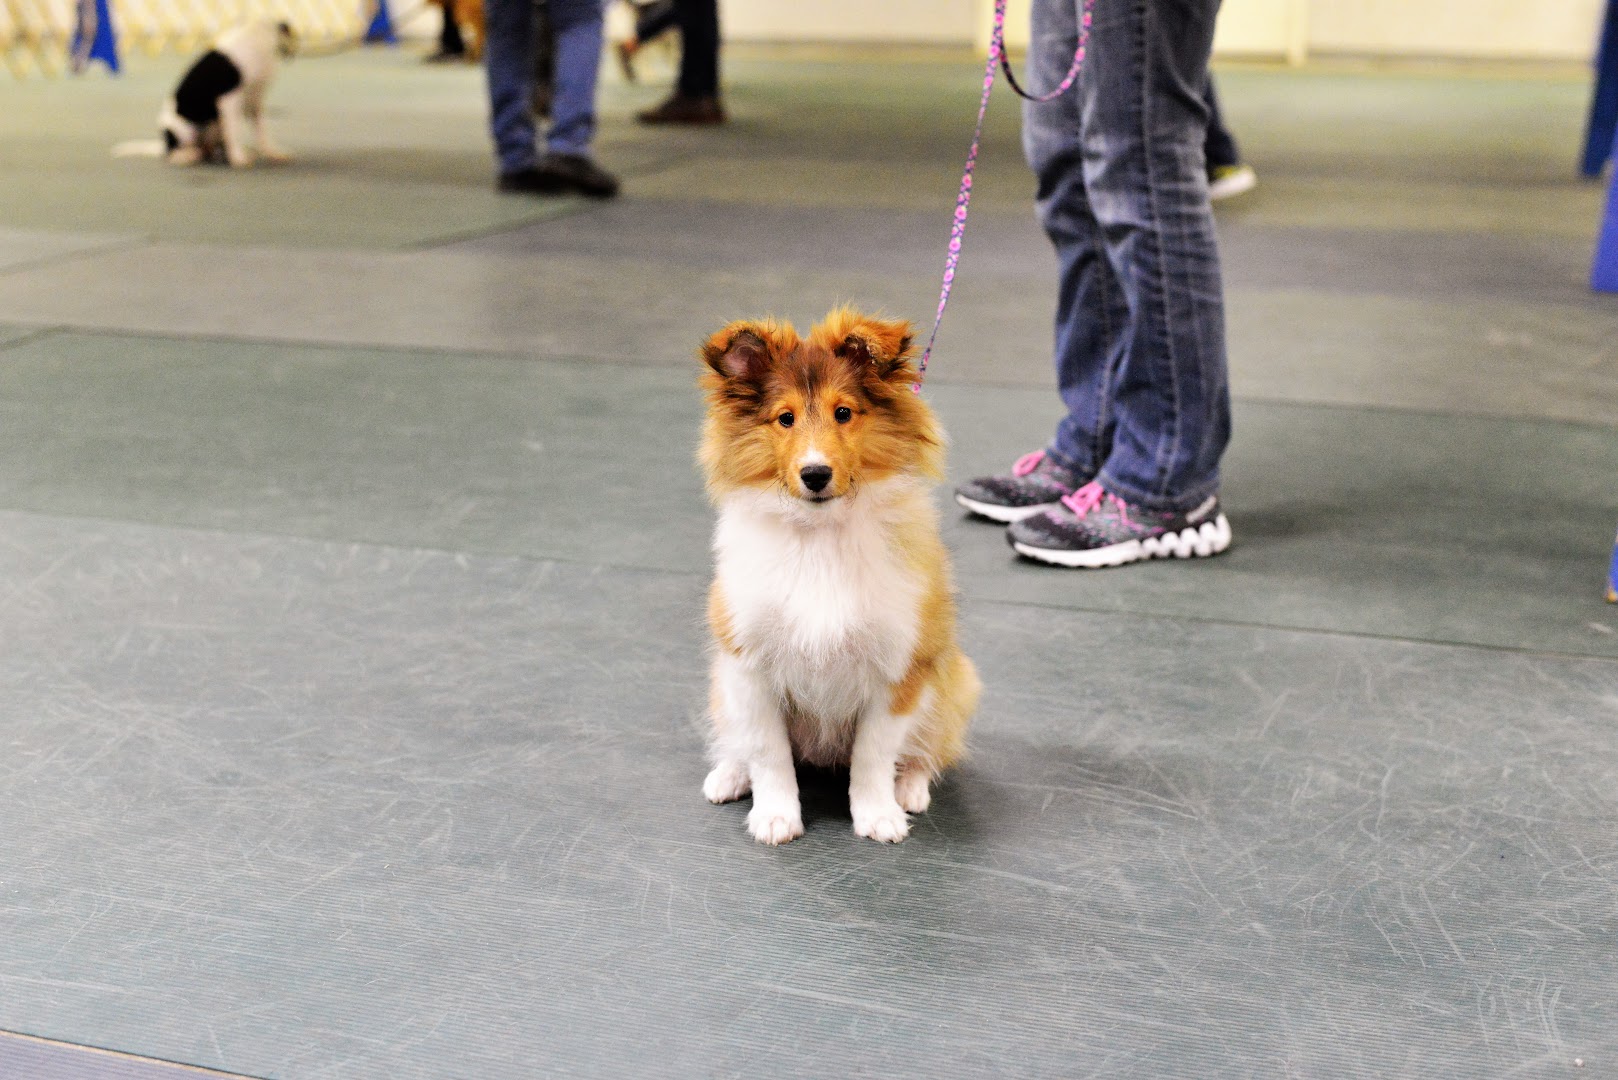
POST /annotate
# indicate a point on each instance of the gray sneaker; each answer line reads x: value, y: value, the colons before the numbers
x: 1035, y: 483
x: 1094, y: 528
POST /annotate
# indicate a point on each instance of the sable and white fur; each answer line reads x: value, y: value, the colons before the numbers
x: 254, y: 50
x: 832, y: 605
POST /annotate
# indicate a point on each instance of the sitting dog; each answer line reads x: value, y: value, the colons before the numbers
x: 222, y: 93
x: 831, y: 606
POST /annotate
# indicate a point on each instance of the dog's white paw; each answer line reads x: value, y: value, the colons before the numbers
x: 726, y: 783
x: 240, y: 160
x: 886, y: 823
x: 275, y: 157
x: 772, y: 826
x: 912, y: 791
x: 185, y: 156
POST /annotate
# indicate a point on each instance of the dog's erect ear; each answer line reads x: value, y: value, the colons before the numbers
x: 877, y: 346
x: 739, y: 353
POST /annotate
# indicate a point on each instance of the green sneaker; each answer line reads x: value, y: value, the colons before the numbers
x: 1225, y: 181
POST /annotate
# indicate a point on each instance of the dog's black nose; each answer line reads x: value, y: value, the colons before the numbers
x: 815, y: 477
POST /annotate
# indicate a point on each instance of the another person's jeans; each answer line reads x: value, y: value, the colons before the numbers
x: 1123, y: 195
x: 508, y: 56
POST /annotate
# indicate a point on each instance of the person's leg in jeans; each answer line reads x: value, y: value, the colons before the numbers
x: 566, y: 166
x: 1140, y: 341
x: 577, y: 28
x: 544, y: 59
x: 508, y: 58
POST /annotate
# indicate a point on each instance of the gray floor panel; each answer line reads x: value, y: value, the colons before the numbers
x: 304, y: 809
x: 1557, y: 361
x: 351, y: 574
x: 1309, y: 345
x: 1009, y: 243
x: 712, y: 236
x: 614, y: 308
x: 1435, y: 527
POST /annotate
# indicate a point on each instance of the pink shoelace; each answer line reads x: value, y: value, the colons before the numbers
x: 1090, y: 496
x: 1028, y: 463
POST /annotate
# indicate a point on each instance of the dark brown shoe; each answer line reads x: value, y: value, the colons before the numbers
x: 562, y: 174
x: 685, y: 110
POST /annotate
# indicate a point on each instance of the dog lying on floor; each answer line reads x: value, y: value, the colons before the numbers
x: 222, y: 93
x: 832, y: 605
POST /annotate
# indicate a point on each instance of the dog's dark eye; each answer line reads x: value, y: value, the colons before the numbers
x: 785, y: 419
x: 843, y: 414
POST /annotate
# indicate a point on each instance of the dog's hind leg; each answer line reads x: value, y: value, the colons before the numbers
x: 911, y: 789
x: 267, y: 148
x: 940, y: 739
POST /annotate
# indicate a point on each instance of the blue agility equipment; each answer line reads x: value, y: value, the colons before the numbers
x: 93, y: 37
x: 1612, y: 576
x: 1604, y: 272
x: 380, y: 32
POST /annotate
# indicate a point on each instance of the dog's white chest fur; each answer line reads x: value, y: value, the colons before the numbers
x: 824, y: 608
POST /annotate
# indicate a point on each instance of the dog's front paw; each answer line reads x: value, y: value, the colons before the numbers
x: 726, y: 783
x: 240, y: 160
x: 773, y: 826
x: 884, y: 822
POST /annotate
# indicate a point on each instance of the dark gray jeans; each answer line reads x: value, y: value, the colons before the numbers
x: 1123, y: 194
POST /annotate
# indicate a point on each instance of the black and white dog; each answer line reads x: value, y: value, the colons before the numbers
x: 223, y: 93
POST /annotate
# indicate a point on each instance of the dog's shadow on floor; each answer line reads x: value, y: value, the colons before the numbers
x: 823, y: 794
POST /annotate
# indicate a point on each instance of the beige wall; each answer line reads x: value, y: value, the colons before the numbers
x: 942, y: 22
x: 1495, y: 29
x: 1509, y: 29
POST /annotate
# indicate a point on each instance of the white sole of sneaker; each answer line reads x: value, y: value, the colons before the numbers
x: 1003, y: 514
x: 1200, y: 541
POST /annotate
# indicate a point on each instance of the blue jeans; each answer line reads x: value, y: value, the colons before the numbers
x: 1123, y: 195
x: 508, y: 55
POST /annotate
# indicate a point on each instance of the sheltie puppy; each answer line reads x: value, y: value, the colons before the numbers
x: 831, y: 607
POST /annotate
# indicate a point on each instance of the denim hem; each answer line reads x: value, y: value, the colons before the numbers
x: 509, y: 170
x: 1076, y: 473
x: 1177, y: 504
x: 575, y: 149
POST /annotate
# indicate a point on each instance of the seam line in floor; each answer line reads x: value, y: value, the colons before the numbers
x: 584, y: 360
x: 58, y: 258
x: 122, y: 1055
